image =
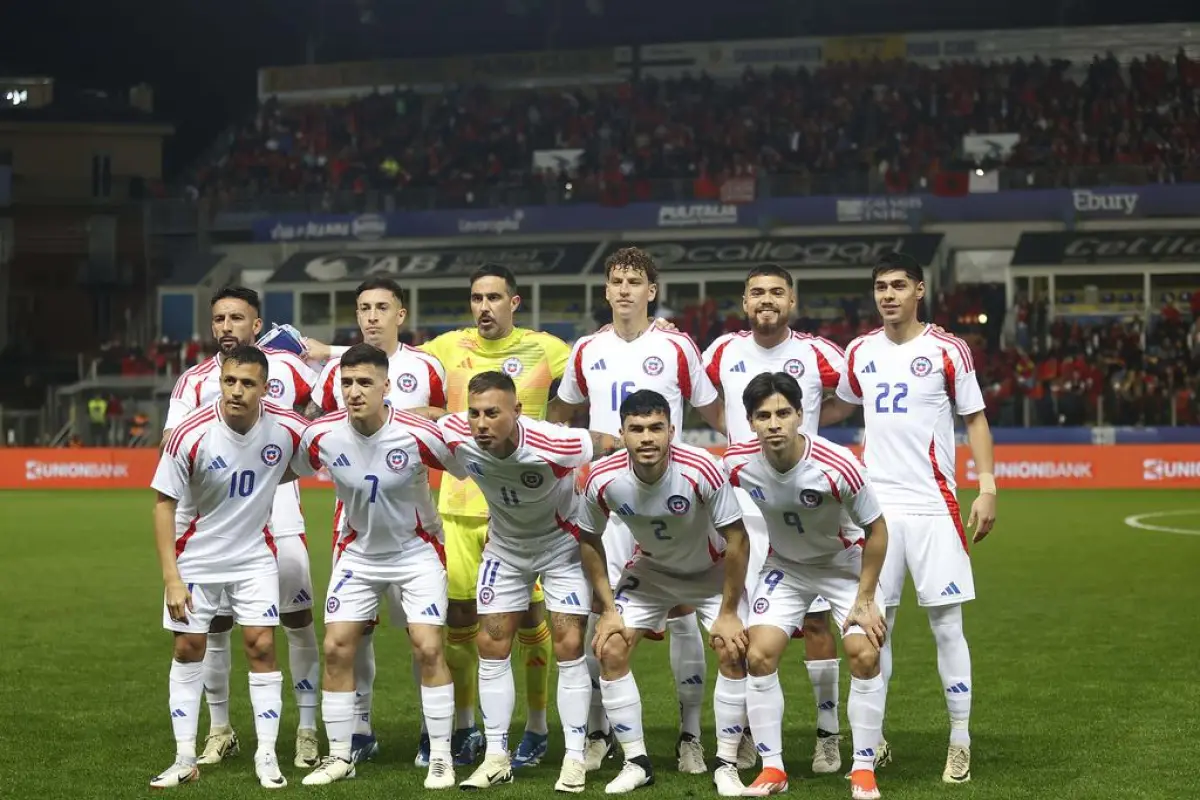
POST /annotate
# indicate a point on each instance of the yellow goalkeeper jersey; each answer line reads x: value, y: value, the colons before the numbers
x: 534, y: 360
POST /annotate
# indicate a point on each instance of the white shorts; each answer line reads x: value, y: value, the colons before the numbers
x: 295, y: 579
x: 646, y: 595
x: 415, y: 590
x: 287, y: 518
x: 619, y: 545
x: 933, y: 549
x: 786, y: 590
x: 505, y: 585
x: 760, y: 547
x: 254, y: 602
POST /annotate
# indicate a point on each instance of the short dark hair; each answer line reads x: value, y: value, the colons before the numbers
x: 248, y: 296
x: 767, y: 384
x: 897, y: 261
x: 381, y: 282
x: 491, y: 270
x: 486, y: 381
x: 772, y: 271
x: 644, y: 403
x: 632, y: 258
x: 248, y: 354
x: 363, y: 354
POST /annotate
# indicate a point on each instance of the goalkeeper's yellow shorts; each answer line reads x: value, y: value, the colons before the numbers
x: 465, y: 538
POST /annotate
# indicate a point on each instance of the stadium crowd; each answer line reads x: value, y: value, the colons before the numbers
x: 896, y: 126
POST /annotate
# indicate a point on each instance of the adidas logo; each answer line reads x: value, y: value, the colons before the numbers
x: 738, y: 367
x: 828, y: 705
x: 302, y: 596
x: 865, y: 754
x: 571, y: 600
x: 474, y: 468
x: 217, y: 463
x: 464, y: 364
x: 621, y: 728
x: 868, y: 368
x: 695, y: 680
x: 579, y: 729
x: 624, y: 510
x: 305, y: 686
x: 270, y: 713
x: 758, y: 494
x: 958, y: 688
x: 178, y: 713
x: 271, y: 612
x: 732, y: 730
x: 951, y: 590
x: 599, y: 365
x: 431, y: 610
x: 762, y: 748
x: 341, y: 461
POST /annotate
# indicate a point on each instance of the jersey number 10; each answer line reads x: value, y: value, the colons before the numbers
x: 241, y: 484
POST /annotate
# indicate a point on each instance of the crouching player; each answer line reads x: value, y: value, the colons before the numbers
x: 804, y: 486
x: 391, y: 538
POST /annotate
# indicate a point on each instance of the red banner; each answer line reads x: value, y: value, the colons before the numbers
x: 1166, y: 466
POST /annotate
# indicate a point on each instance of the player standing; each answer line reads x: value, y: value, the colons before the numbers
x: 805, y: 485
x: 236, y: 321
x: 216, y: 482
x: 692, y: 550
x: 390, y: 545
x: 604, y: 369
x: 526, y: 470
x: 910, y: 380
x: 816, y: 364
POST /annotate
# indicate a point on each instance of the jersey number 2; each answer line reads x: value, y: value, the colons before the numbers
x: 897, y: 404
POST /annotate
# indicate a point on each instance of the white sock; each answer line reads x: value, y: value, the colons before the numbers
x: 954, y: 666
x: 574, y: 697
x: 304, y: 661
x: 185, y: 685
x: 729, y: 712
x: 688, y: 667
x: 217, y: 663
x: 437, y: 705
x: 623, y: 704
x: 416, y: 675
x: 497, y: 695
x: 337, y: 709
x: 764, y: 710
x: 865, y: 712
x: 824, y: 678
x: 597, y: 720
x: 364, y: 683
x: 266, y: 698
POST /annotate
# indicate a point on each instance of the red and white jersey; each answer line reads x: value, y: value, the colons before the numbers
x: 290, y: 384
x: 385, y: 510
x: 415, y: 377
x: 735, y: 358
x: 604, y: 369
x: 674, y: 521
x: 531, y: 494
x: 225, y: 483
x: 909, y: 393
x: 804, y: 507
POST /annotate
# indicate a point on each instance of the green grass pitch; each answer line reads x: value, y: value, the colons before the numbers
x: 1085, y: 670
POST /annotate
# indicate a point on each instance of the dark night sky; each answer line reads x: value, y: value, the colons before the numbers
x: 201, y: 55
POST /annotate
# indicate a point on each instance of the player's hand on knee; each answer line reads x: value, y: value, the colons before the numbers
x: 179, y: 601
x: 728, y: 636
x: 983, y: 516
x: 610, y: 624
x: 866, y: 615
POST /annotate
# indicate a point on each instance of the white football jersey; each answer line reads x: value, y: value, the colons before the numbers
x: 674, y: 521
x: 735, y: 358
x: 804, y: 506
x: 909, y: 393
x: 531, y: 494
x: 225, y: 483
x: 290, y: 384
x: 604, y: 369
x: 385, y: 508
x: 416, y: 379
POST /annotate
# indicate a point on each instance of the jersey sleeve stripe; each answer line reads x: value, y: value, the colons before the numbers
x: 437, y: 389
x: 683, y: 372
x: 580, y: 375
x: 457, y: 424
x: 743, y: 448
x: 187, y: 426
x: 829, y: 375
x: 197, y: 371
x: 714, y: 366
x: 286, y: 413
x: 314, y: 461
x: 851, y: 375
x: 848, y: 471
x: 606, y: 467
x: 948, y: 374
x: 706, y: 469
x: 564, y: 446
x: 400, y: 415
x: 734, y: 480
x: 964, y: 352
x: 328, y: 399
x: 821, y: 341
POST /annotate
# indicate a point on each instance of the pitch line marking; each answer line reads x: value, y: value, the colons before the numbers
x: 1138, y: 521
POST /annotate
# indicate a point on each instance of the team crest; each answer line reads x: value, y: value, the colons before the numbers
x: 397, y: 460
x: 652, y: 366
x: 810, y: 498
x: 332, y: 605
x: 921, y: 366
x: 794, y: 367
x: 512, y: 367
x: 678, y: 505
x: 761, y: 605
x: 275, y: 388
x: 271, y: 454
x: 407, y: 383
x: 486, y: 595
x: 532, y: 480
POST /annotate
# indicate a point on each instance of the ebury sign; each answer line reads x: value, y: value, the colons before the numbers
x: 1128, y: 466
x: 1107, y: 247
x: 793, y: 251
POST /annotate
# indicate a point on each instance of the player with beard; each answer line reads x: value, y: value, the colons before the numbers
x: 236, y: 322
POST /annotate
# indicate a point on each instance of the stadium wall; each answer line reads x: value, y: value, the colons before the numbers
x: 1032, y: 466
